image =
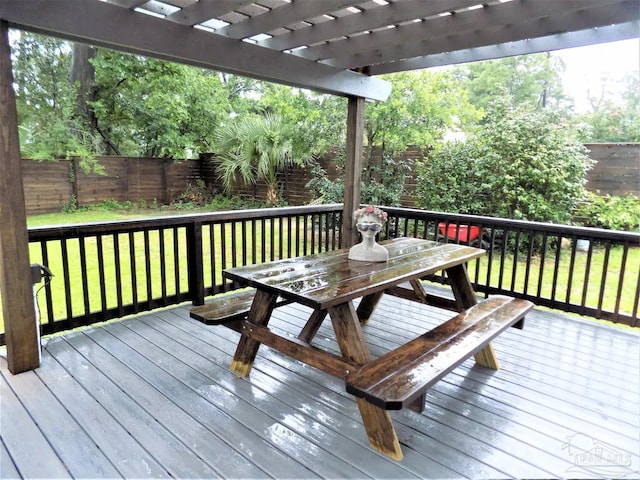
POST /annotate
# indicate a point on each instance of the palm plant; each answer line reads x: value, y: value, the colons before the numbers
x: 254, y: 148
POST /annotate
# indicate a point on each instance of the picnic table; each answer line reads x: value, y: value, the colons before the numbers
x: 329, y: 282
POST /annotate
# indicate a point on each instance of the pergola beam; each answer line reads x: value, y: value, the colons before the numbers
x: 21, y: 331
x: 102, y: 24
x: 613, y: 33
x: 491, y: 35
x: 444, y: 30
x: 282, y: 16
x: 371, y: 19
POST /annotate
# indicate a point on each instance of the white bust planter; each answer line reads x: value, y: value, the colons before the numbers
x: 368, y: 250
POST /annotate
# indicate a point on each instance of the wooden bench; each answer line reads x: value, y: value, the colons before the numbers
x: 401, y: 377
x: 227, y: 307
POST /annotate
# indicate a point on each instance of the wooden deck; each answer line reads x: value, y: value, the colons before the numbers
x: 152, y: 396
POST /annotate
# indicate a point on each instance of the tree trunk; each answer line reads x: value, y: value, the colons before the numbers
x: 83, y: 76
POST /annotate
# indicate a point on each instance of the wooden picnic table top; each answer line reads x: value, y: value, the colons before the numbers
x: 329, y: 278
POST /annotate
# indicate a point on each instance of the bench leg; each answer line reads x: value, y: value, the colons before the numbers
x: 377, y: 423
x: 487, y: 358
x: 247, y: 349
x: 418, y: 404
x: 312, y: 326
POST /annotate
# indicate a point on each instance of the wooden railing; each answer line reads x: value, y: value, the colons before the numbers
x: 592, y: 272
x: 114, y: 269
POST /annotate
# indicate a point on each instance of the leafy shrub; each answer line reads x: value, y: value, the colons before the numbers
x: 611, y: 212
x: 223, y: 202
x: 519, y: 164
x: 383, y: 183
x: 194, y: 195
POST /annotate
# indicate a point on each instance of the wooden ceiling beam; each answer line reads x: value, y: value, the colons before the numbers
x: 368, y: 20
x: 283, y: 16
x: 103, y: 24
x: 470, y: 21
x: 603, y: 15
x: 591, y: 36
x: 205, y: 10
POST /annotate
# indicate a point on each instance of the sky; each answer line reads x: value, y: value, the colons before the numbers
x: 588, y: 67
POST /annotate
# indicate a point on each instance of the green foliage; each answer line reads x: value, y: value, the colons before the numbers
x: 386, y: 190
x: 615, y: 121
x: 520, y: 164
x: 318, y: 120
x: 153, y: 108
x: 531, y: 80
x: 611, y: 212
x: 386, y: 181
x: 194, y: 195
x: 71, y: 205
x: 225, y: 202
x: 49, y: 128
x: 421, y: 108
x: 254, y: 148
x: 322, y: 187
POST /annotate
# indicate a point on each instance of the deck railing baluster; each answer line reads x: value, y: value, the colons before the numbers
x: 572, y: 262
x: 84, y: 277
x: 134, y: 273
x: 47, y: 287
x: 162, y: 259
x: 603, y: 281
x: 67, y: 290
x: 176, y: 261
x: 118, y: 269
x: 543, y: 258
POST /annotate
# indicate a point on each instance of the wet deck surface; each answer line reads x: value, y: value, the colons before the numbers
x: 152, y: 396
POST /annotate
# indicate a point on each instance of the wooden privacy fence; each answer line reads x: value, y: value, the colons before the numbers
x: 50, y: 186
x: 617, y: 168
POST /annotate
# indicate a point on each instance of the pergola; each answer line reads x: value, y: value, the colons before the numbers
x: 331, y: 46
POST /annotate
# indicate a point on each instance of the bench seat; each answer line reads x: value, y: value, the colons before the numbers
x: 227, y: 307
x: 401, y: 377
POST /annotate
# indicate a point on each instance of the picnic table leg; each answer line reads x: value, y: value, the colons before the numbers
x: 466, y: 297
x: 247, y: 349
x: 312, y: 326
x: 368, y: 305
x: 377, y: 422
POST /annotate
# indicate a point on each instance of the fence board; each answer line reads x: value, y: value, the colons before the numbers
x: 49, y: 186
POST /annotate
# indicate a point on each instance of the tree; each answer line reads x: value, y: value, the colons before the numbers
x: 318, y: 120
x: 49, y: 125
x: 519, y: 165
x: 614, y: 121
x: 154, y: 108
x: 532, y: 80
x: 254, y: 148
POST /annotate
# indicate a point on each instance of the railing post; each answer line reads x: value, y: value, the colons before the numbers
x: 195, y: 263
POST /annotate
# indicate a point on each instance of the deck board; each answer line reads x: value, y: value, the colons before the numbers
x: 152, y: 396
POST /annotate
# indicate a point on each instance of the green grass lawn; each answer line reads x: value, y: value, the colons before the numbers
x: 177, y: 277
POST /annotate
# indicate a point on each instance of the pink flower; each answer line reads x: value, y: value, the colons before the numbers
x: 371, y: 210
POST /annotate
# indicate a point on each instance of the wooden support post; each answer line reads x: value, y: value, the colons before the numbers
x: 352, y: 169
x: 21, y: 331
